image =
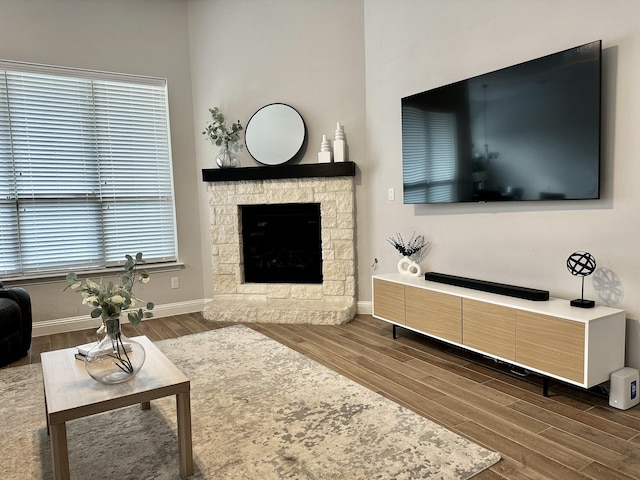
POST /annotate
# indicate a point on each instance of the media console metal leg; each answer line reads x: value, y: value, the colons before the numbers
x: 395, y: 332
x: 545, y: 386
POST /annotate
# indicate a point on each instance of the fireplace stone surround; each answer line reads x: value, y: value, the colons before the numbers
x: 234, y: 300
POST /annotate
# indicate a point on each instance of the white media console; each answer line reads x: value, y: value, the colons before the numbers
x: 575, y: 345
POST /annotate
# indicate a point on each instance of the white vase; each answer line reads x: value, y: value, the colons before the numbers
x: 409, y: 267
x: 324, y: 155
x: 339, y: 145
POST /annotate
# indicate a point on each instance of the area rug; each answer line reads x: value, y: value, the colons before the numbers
x: 260, y: 410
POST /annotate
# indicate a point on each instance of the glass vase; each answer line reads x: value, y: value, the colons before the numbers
x: 115, y: 358
x: 226, y: 158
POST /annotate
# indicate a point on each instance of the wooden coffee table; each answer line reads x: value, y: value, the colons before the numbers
x: 70, y: 393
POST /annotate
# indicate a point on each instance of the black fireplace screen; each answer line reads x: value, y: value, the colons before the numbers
x: 281, y: 243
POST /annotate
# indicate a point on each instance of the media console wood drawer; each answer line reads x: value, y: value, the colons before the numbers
x: 388, y: 301
x: 575, y: 345
x: 489, y: 328
x: 554, y: 345
x: 435, y: 313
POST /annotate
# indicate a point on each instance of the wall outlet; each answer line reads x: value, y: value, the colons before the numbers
x: 391, y: 194
x: 175, y: 282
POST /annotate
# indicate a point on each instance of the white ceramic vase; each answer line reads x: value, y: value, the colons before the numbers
x: 409, y: 267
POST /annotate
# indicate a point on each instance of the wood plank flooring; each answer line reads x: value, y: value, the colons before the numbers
x: 572, y: 434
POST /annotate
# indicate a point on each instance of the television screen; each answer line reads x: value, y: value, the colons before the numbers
x: 526, y: 132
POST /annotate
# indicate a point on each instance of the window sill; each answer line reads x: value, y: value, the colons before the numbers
x: 38, y: 279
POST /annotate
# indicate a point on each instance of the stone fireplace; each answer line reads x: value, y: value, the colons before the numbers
x: 233, y: 194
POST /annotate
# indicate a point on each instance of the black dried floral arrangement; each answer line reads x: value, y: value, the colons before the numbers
x: 413, y: 246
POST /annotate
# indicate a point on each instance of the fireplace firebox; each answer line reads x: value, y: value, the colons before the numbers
x: 281, y: 243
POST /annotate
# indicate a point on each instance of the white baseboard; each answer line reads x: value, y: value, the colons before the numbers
x: 72, y: 324
x: 84, y: 322
x: 365, y: 308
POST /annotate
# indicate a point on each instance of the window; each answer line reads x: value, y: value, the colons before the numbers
x: 428, y: 153
x: 85, y: 170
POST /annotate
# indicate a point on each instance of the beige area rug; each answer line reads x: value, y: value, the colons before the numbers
x: 260, y: 411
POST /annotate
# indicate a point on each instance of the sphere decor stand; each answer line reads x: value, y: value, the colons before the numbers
x: 581, y: 264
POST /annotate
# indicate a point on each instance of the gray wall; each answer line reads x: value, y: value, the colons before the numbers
x: 146, y: 37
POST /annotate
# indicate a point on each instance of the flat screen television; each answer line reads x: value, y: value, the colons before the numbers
x: 526, y: 132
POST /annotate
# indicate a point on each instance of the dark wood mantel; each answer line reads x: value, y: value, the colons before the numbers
x: 305, y: 170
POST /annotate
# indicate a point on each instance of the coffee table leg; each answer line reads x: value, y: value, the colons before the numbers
x: 46, y: 413
x: 183, y: 404
x: 59, y: 454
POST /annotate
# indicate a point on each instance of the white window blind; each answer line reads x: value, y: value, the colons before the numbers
x: 85, y: 170
x: 428, y: 153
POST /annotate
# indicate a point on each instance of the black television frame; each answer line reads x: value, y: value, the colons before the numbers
x: 474, y: 159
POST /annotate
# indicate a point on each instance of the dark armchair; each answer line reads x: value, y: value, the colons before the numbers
x: 15, y: 324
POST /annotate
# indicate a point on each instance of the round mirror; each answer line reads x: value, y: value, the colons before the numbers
x: 275, y: 134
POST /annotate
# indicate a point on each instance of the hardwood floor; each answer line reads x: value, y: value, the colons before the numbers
x: 572, y: 434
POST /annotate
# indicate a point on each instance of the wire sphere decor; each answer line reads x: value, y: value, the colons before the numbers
x: 581, y: 264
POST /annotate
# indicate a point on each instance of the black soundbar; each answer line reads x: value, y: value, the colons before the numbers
x: 491, y: 287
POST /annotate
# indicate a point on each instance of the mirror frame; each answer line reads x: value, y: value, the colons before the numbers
x: 281, y: 147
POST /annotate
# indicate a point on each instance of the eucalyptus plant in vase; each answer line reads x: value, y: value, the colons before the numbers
x: 222, y: 136
x: 114, y: 358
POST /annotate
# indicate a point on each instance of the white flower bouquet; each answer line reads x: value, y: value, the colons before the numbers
x: 111, y: 299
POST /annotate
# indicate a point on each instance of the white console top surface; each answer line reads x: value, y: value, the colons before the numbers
x: 554, y: 307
